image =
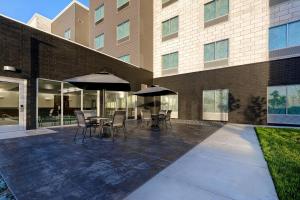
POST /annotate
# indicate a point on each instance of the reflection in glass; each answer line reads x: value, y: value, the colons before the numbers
x: 215, y: 101
x: 277, y: 100
x: 293, y: 99
x: 72, y: 102
x: 49, y: 103
x: 9, y: 103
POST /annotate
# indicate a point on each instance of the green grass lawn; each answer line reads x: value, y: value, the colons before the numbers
x: 281, y: 148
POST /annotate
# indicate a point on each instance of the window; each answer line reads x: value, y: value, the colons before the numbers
x: 125, y: 58
x: 215, y: 9
x: 122, y: 3
x: 283, y: 36
x: 284, y: 100
x: 215, y: 101
x: 216, y: 51
x: 99, y: 41
x: 99, y: 13
x: 67, y: 34
x: 170, y: 61
x: 123, y: 30
x: 170, y: 26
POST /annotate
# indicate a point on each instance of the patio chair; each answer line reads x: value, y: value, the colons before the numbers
x: 162, y: 117
x: 83, y: 124
x: 168, y: 118
x: 146, y: 117
x: 117, y: 123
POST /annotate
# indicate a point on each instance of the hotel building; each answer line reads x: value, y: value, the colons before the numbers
x: 229, y: 60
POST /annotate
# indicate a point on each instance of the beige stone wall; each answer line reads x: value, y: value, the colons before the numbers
x: 40, y: 22
x: 246, y: 29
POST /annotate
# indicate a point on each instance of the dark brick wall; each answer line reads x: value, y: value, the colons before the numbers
x: 247, y: 86
x: 41, y: 55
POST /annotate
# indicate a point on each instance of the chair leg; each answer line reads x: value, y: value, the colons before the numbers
x: 84, y: 134
x: 124, y: 131
x: 112, y: 133
x: 90, y: 131
x: 75, y: 136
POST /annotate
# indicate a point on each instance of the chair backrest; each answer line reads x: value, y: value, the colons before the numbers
x: 80, y: 118
x: 169, y: 114
x: 146, y: 114
x: 90, y: 113
x: 119, y: 118
x: 162, y: 112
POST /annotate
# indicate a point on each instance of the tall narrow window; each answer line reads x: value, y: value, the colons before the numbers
x: 170, y: 61
x: 215, y: 9
x: 170, y: 26
x: 216, y: 51
x: 123, y: 31
x: 67, y: 34
x: 122, y: 3
x: 99, y: 13
x: 294, y: 33
x: 99, y: 41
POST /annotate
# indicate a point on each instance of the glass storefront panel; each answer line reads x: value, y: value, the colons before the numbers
x: 114, y: 101
x: 90, y: 100
x: 9, y: 103
x: 209, y: 101
x: 293, y: 100
x: 277, y: 100
x: 170, y: 102
x: 49, y: 103
x: 71, y: 102
x: 131, y: 106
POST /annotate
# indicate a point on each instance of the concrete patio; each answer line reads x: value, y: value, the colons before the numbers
x: 228, y: 165
x: 52, y: 166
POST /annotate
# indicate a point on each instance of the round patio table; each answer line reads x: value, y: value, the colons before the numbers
x: 100, y: 122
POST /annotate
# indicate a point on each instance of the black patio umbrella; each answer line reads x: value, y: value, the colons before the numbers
x: 153, y: 91
x: 100, y: 81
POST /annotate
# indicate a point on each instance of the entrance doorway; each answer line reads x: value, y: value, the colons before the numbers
x: 12, y: 104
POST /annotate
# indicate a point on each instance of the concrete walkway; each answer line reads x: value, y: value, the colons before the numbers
x: 229, y: 165
x: 8, y: 134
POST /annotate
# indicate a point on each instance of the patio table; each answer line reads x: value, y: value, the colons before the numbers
x: 100, y: 121
x: 155, y: 121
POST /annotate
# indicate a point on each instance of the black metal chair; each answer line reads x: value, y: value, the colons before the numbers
x: 117, y: 123
x: 83, y: 124
x: 168, y: 118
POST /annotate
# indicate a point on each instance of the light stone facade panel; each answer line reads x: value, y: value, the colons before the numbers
x: 246, y: 29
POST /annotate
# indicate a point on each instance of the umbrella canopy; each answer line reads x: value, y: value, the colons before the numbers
x: 154, y: 91
x: 100, y: 81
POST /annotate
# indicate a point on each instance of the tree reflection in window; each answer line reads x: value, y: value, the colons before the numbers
x: 277, y: 100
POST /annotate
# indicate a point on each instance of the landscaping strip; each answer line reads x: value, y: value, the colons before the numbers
x: 281, y: 148
x: 5, y: 193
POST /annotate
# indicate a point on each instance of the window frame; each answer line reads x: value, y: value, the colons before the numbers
x: 286, y: 100
x: 126, y: 55
x: 124, y: 5
x: 215, y: 91
x: 286, y: 35
x: 169, y: 26
x: 168, y: 54
x: 69, y: 34
x: 126, y: 38
x: 216, y: 17
x: 101, y: 19
x: 228, y: 50
x: 101, y: 34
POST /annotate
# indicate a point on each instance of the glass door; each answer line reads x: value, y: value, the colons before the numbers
x: 12, y: 104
